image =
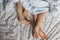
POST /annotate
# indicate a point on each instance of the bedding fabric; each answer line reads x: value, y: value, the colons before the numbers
x: 11, y: 29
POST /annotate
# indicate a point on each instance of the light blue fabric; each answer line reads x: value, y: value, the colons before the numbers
x: 35, y: 6
x: 1, y: 1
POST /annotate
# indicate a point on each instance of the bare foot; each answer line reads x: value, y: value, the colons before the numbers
x: 42, y: 35
x: 27, y: 18
x: 35, y: 35
x: 24, y: 21
x: 26, y: 14
x: 38, y: 32
x: 35, y: 32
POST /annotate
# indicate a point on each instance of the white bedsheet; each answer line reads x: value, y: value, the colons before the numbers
x: 11, y: 29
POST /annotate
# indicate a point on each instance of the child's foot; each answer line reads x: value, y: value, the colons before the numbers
x: 42, y: 35
x: 35, y: 32
x: 27, y: 18
x: 35, y: 35
x: 26, y: 13
x: 24, y: 21
x: 38, y: 32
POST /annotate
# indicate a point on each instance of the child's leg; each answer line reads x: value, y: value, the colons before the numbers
x: 34, y: 18
x: 20, y: 15
x: 37, y: 28
x: 34, y: 21
x: 25, y: 13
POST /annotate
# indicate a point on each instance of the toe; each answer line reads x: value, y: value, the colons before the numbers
x: 42, y: 35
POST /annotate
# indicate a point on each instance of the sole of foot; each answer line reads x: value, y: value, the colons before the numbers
x: 42, y: 35
x: 24, y: 21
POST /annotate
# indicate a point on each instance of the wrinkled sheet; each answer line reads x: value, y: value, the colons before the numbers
x: 11, y: 29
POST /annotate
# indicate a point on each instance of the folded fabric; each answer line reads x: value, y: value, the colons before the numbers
x: 35, y: 6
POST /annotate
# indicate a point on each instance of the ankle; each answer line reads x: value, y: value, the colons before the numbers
x: 21, y: 18
x: 37, y: 26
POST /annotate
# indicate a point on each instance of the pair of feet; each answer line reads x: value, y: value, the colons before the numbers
x: 25, y: 21
x: 37, y: 32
